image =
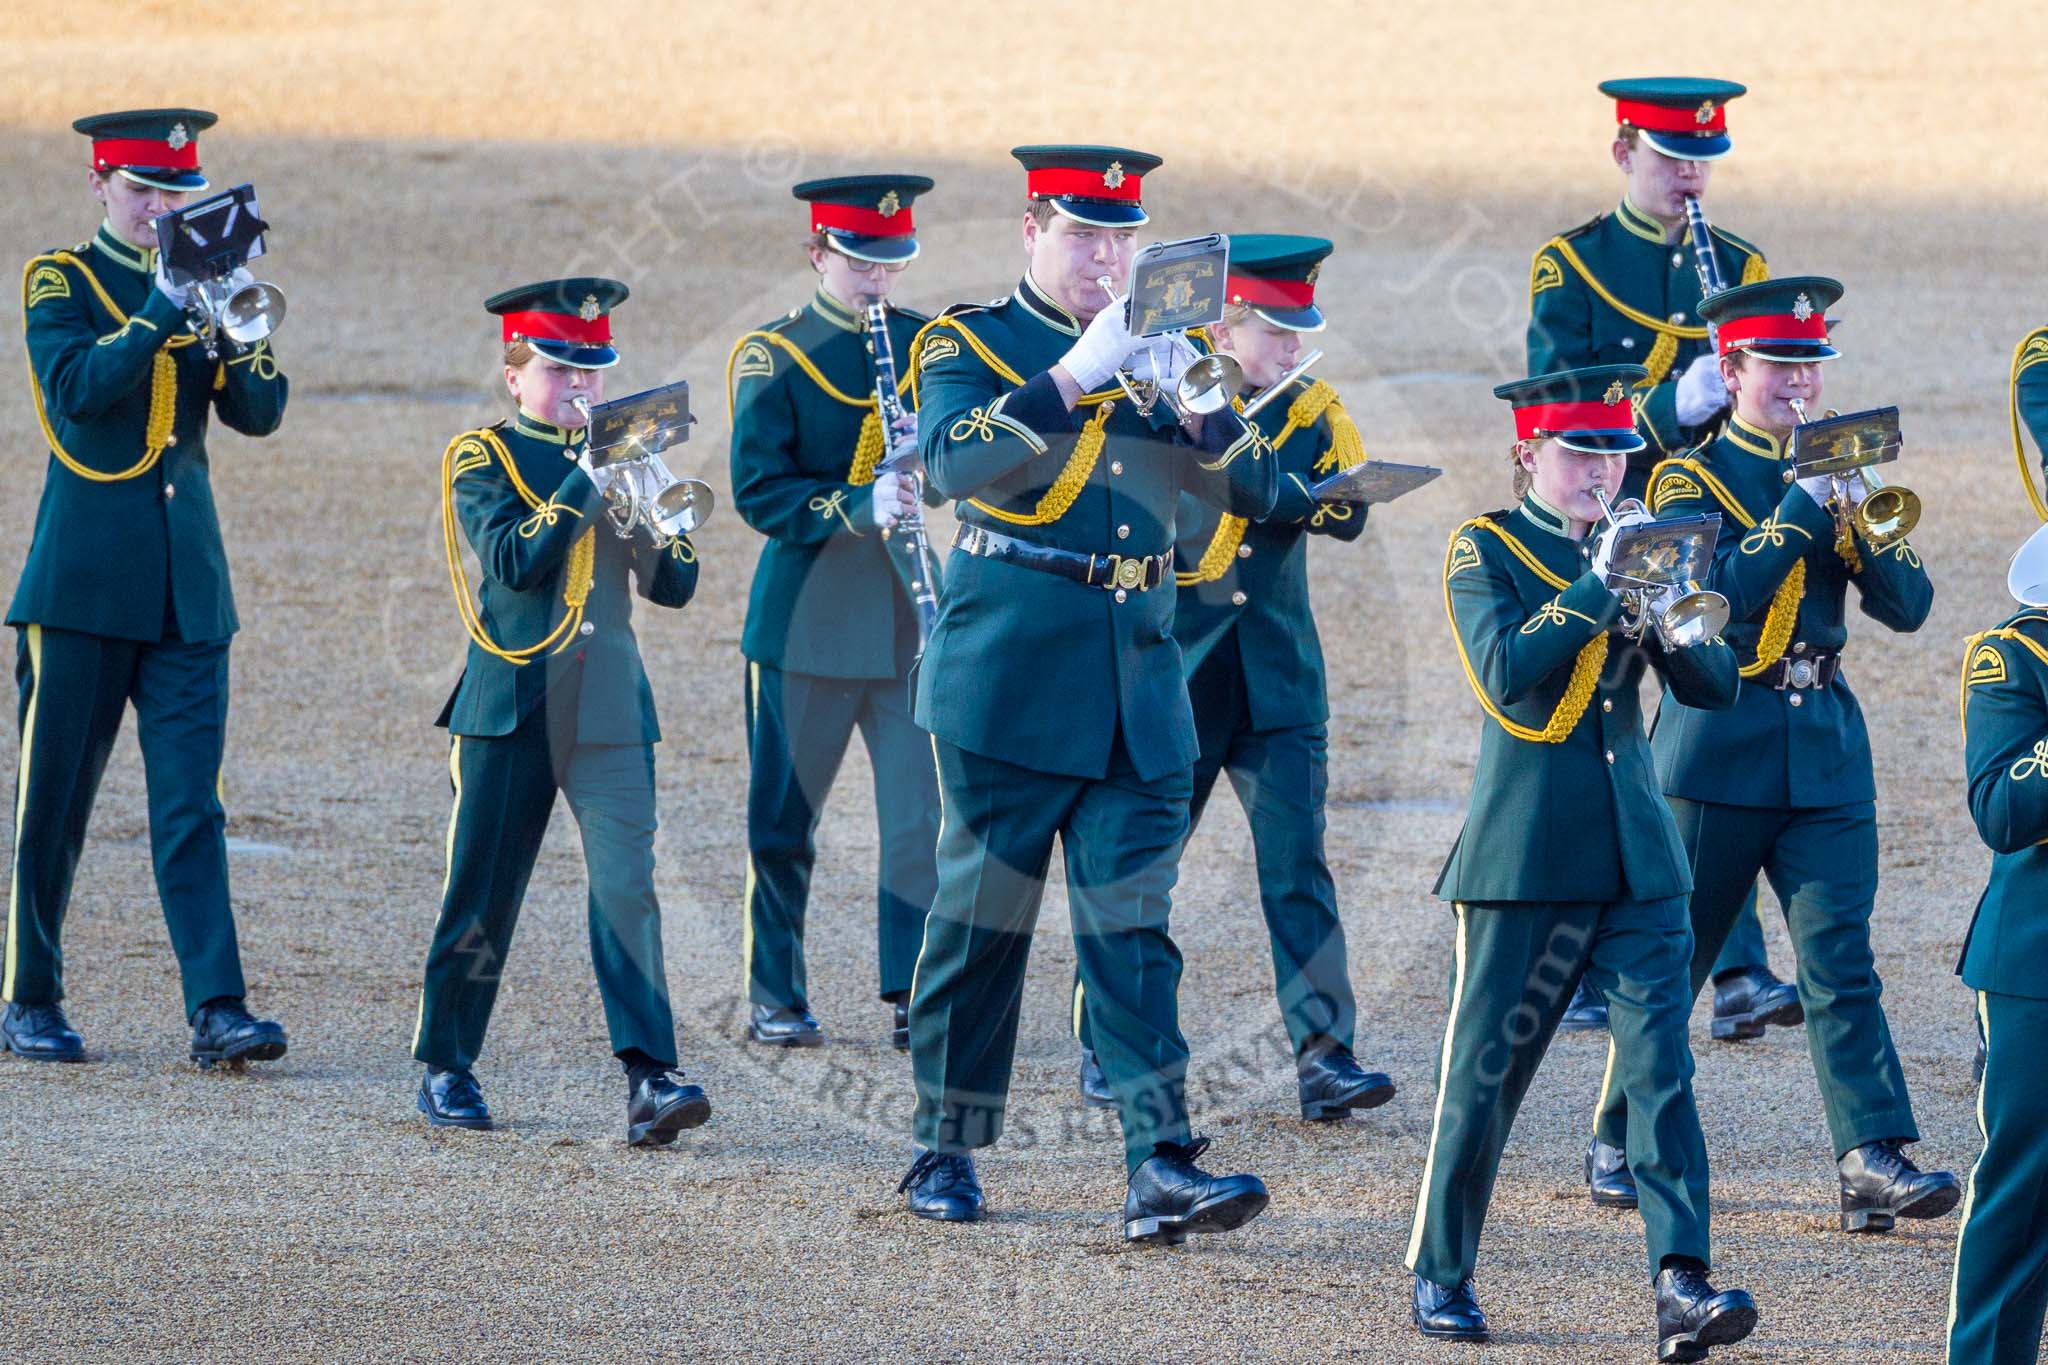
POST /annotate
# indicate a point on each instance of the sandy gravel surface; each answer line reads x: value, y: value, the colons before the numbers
x: 305, y: 1211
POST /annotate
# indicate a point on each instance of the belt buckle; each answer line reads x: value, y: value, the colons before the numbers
x: 1801, y: 674
x: 1130, y: 573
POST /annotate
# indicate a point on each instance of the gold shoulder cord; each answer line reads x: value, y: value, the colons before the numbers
x: 1578, y: 693
x: 485, y: 444
x: 2032, y: 351
x: 163, y: 385
x: 1074, y: 475
x: 1347, y: 448
x: 869, y: 446
x: 1784, y: 612
x: 1665, y: 349
x: 2010, y: 633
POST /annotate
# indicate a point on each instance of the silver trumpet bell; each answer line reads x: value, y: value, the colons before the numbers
x: 1209, y: 383
x: 1686, y: 618
x: 1682, y: 613
x: 244, y: 316
x: 641, y: 492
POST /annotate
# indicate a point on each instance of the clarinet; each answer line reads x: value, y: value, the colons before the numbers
x: 919, y: 571
x: 1703, y: 259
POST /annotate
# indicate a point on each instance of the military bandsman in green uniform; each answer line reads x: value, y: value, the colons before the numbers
x: 125, y: 597
x: 1055, y: 696
x: 553, y: 699
x: 2030, y: 406
x: 2001, y: 1277
x: 1624, y: 289
x: 1255, y: 667
x: 1781, y: 783
x: 832, y: 628
x: 1568, y: 863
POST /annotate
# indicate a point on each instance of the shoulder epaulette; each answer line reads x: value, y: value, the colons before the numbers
x: 1582, y: 229
x: 1731, y: 239
x: 954, y: 310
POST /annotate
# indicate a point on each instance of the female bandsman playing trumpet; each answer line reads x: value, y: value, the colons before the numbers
x: 553, y: 699
x: 1569, y: 863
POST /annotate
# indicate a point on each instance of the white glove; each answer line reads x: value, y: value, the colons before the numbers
x: 1701, y: 392
x: 891, y: 499
x: 1102, y: 349
x: 180, y: 294
x: 1603, y: 551
x: 1167, y: 359
x: 1820, y: 487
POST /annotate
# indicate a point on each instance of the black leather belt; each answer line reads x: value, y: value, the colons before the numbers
x: 1134, y: 573
x: 1802, y: 671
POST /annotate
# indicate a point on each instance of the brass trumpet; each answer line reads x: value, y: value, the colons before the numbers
x: 1886, y: 513
x: 1681, y: 612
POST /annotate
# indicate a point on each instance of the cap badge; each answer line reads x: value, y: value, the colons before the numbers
x: 1615, y: 393
x: 1704, y: 114
x: 590, y: 311
x: 1313, y: 272
x: 178, y: 138
x: 1114, y: 176
x: 888, y: 205
x: 1802, y: 308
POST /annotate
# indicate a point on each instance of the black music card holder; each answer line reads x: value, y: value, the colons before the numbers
x: 1835, y: 445
x: 214, y: 237
x: 1371, y: 481
x: 640, y: 424
x: 1676, y: 551
x: 1178, y: 285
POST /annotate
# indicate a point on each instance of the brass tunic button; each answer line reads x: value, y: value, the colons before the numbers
x: 1610, y: 758
x: 1244, y: 551
x: 1121, y: 594
x: 170, y: 490
x: 587, y: 629
x: 1796, y: 700
x: 1116, y: 466
x: 1607, y: 704
x: 1237, y: 599
x: 1123, y: 533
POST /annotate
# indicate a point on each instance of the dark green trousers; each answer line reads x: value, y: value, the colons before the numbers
x: 1744, y: 946
x: 1122, y: 839
x: 504, y: 793
x: 74, y: 691
x: 1513, y: 972
x: 1282, y: 779
x: 2000, y: 1291
x: 1822, y: 863
x: 798, y: 727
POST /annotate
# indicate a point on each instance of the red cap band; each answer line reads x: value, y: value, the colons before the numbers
x: 1662, y: 118
x: 1739, y: 332
x: 1081, y: 184
x: 1592, y: 416
x: 559, y: 327
x: 115, y: 152
x: 1263, y: 293
x: 866, y: 222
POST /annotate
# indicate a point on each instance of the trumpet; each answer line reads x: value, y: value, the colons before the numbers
x: 1207, y: 382
x: 206, y: 247
x: 639, y: 490
x: 1255, y: 404
x: 244, y: 314
x: 1885, y: 513
x: 1681, y: 612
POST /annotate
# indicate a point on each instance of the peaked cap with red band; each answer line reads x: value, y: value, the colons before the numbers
x: 1685, y: 117
x: 565, y: 320
x: 1274, y: 274
x: 154, y: 147
x: 1783, y: 319
x: 866, y: 217
x: 1101, y: 186
x: 1587, y: 409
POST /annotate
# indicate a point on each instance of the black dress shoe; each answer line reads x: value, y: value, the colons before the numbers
x: 1332, y: 1084
x: 1095, y: 1091
x: 784, y: 1026
x: 899, y: 1027
x: 660, y: 1108
x: 1452, y: 1314
x: 1586, y: 1013
x: 1608, y: 1179
x: 1881, y: 1183
x: 1692, y: 1315
x: 1747, y: 1000
x: 1171, y: 1197
x: 452, y: 1099
x: 224, y: 1032
x: 942, y: 1186
x: 40, y: 1033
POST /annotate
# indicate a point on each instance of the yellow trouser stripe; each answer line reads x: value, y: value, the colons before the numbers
x: 925, y: 937
x: 1606, y: 1082
x: 419, y: 1021
x: 1443, y: 1081
x: 1955, y: 1277
x: 1080, y: 991
x: 747, y: 891
x: 28, y: 748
